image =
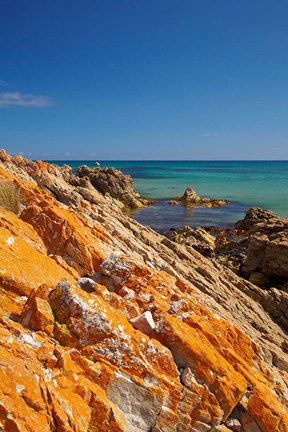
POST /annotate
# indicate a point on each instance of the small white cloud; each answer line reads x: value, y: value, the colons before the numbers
x: 23, y: 100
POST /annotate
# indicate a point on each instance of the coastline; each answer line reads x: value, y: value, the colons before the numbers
x: 143, y: 333
x: 244, y: 184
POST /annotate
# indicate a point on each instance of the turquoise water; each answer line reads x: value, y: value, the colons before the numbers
x: 245, y: 183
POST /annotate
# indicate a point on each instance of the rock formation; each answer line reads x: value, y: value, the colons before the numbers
x: 268, y: 244
x: 108, y: 326
x: 257, y: 248
x: 190, y: 198
x: 112, y: 182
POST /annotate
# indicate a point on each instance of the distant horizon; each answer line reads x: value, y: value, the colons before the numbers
x: 163, y: 160
x: 95, y: 159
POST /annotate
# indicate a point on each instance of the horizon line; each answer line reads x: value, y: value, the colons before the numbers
x: 162, y: 160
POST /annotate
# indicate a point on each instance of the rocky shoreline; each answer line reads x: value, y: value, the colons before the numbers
x: 256, y: 248
x: 107, y: 325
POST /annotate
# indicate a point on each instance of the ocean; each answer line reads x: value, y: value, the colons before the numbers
x: 245, y: 183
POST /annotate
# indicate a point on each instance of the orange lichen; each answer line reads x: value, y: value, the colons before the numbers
x: 71, y: 360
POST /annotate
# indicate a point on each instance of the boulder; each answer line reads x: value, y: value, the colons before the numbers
x: 267, y: 251
x: 253, y: 216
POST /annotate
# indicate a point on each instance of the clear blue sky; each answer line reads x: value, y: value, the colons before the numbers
x: 150, y: 79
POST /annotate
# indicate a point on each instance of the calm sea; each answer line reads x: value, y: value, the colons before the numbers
x: 246, y: 184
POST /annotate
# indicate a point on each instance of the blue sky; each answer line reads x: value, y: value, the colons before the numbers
x: 151, y: 79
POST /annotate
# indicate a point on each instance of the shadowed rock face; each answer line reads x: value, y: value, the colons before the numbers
x: 71, y: 356
x: 114, y: 183
x: 268, y: 244
x: 258, y: 245
x: 254, y: 216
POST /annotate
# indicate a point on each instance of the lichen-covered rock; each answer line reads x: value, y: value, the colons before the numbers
x: 57, y: 228
x: 70, y: 358
x: 24, y: 261
x: 42, y: 387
